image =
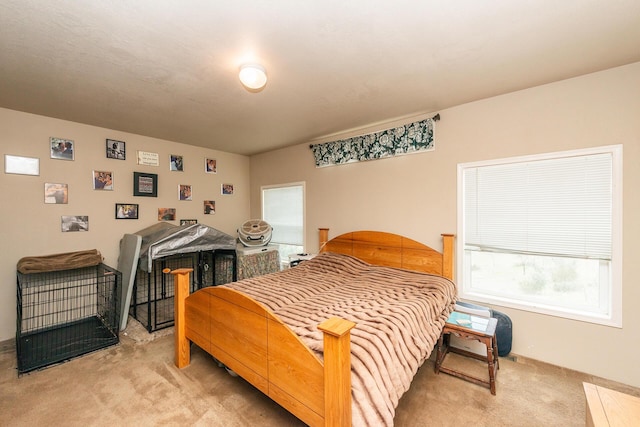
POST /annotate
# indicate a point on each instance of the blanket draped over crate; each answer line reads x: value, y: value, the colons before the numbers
x: 59, y: 262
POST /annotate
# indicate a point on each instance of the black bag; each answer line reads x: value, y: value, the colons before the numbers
x: 504, y: 332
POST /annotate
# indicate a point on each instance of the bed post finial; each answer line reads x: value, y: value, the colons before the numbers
x: 324, y: 238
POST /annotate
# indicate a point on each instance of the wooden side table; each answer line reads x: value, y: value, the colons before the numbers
x: 468, y: 327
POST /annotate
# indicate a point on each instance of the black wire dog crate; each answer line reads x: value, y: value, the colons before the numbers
x: 152, y: 300
x: 65, y: 314
x: 217, y: 267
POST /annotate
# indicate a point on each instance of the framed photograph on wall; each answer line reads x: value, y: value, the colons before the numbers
x: 184, y: 192
x: 62, y: 149
x: 166, y: 214
x: 227, y: 189
x: 210, y: 165
x: 145, y: 184
x: 209, y: 207
x: 102, y: 180
x: 116, y: 149
x: 126, y: 211
x: 56, y: 193
x: 75, y: 223
x: 176, y: 163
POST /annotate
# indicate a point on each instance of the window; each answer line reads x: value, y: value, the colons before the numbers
x: 543, y: 233
x: 283, y: 209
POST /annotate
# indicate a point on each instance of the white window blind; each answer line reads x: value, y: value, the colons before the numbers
x: 559, y: 206
x: 283, y: 209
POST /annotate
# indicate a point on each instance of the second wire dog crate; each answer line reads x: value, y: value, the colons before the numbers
x: 209, y: 252
x: 152, y: 300
x: 64, y: 314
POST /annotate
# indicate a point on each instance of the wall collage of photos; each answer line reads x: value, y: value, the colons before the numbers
x: 144, y: 185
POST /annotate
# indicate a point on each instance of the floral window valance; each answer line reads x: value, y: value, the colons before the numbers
x: 411, y: 138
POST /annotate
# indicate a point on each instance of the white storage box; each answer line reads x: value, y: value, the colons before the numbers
x: 249, y: 250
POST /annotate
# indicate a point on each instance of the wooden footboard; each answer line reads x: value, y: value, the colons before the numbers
x: 251, y: 341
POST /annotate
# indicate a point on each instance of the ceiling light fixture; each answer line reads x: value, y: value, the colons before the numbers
x: 253, y: 77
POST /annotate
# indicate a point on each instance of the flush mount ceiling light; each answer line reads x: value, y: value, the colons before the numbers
x: 253, y: 77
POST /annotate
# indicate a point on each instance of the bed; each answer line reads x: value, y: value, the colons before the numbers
x: 292, y: 334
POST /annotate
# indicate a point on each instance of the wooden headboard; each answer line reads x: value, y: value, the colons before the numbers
x: 392, y: 250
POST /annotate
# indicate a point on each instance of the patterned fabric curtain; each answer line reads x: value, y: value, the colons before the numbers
x: 411, y: 138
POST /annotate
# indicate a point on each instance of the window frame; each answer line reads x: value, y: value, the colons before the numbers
x: 304, y: 208
x: 614, y: 317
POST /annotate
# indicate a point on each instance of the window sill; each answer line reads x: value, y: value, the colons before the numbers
x: 543, y: 309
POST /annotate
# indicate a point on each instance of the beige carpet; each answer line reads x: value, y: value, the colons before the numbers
x: 136, y: 383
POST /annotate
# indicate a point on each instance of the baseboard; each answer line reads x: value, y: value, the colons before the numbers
x: 7, y: 346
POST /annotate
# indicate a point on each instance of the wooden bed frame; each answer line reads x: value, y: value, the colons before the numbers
x: 253, y: 342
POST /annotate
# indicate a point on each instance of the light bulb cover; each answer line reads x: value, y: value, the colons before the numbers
x: 253, y: 76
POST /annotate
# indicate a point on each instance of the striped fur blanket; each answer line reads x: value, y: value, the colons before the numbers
x: 399, y: 316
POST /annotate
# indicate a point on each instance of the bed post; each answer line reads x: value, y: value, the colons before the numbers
x: 324, y: 238
x: 181, y: 284
x: 447, y: 255
x: 337, y: 371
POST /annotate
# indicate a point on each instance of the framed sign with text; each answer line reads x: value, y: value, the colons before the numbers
x: 148, y: 159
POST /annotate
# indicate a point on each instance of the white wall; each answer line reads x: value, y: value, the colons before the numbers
x: 415, y: 195
x: 30, y: 227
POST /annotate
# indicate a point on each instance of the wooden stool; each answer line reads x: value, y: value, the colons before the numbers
x: 468, y: 327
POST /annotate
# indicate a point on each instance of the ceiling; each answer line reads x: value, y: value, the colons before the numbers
x: 169, y: 69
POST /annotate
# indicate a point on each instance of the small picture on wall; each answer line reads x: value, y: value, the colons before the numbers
x: 209, y: 207
x: 62, y: 149
x: 210, y: 165
x: 116, y: 149
x: 75, y: 223
x: 184, y: 192
x: 56, y: 193
x: 145, y: 184
x: 176, y: 163
x: 188, y: 221
x: 21, y: 165
x: 227, y: 188
x: 166, y: 214
x: 126, y: 211
x: 102, y: 180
